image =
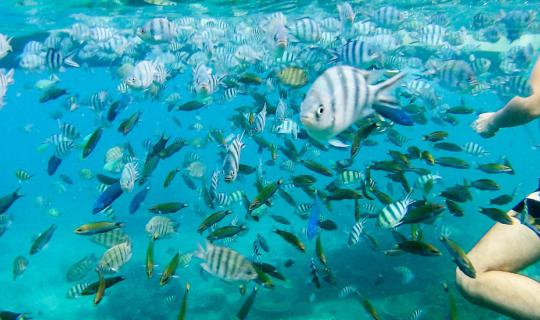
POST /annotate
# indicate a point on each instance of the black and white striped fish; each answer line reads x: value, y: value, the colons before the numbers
x: 347, y: 291
x: 303, y: 210
x: 475, y: 149
x: 75, y: 291
x: 392, y: 215
x: 214, y: 184
x: 347, y: 177
x: 158, y: 30
x: 236, y: 196
x: 101, y: 34
x: 63, y: 148
x: 340, y: 97
x: 231, y: 162
x: 161, y: 227
x: 432, y: 35
x: 230, y: 94
x: 388, y: 16
x: 356, y: 233
x: 356, y: 53
x: 479, y: 65
x: 222, y: 200
x: 256, y: 256
x: 417, y: 314
x: 260, y: 120
x: 225, y: 263
x: 114, y: 258
x: 56, y: 60
x: 110, y: 238
x: 69, y: 131
x: 306, y: 29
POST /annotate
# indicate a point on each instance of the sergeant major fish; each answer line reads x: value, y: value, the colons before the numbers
x: 340, y: 97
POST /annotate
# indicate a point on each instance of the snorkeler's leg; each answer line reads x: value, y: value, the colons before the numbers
x: 504, y: 250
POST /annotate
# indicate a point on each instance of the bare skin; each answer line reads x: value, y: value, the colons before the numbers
x: 517, y: 111
x: 497, y: 257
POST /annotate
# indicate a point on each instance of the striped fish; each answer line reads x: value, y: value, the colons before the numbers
x: 75, y: 291
x: 479, y: 65
x: 102, y: 34
x: 287, y: 165
x: 230, y: 94
x: 81, y: 268
x: 306, y: 29
x: 161, y: 227
x: 171, y: 300
x: 130, y: 174
x: 341, y: 96
x: 256, y: 256
x: 356, y: 232
x: 114, y: 258
x: 236, y: 196
x: 214, y: 184
x: 222, y: 200
x: 63, y: 148
x: 142, y: 75
x: 392, y: 215
x: 260, y: 120
x: 110, y: 238
x: 56, y: 60
x: 293, y: 76
x: 417, y: 314
x: 347, y: 177
x: 158, y: 30
x: 23, y: 175
x: 356, y: 53
x: 123, y: 87
x: 69, y: 131
x: 427, y: 178
x: 475, y: 149
x: 364, y: 28
x: 347, y: 291
x: 225, y: 263
x: 302, y: 210
x: 456, y: 74
x: 231, y: 162
x: 281, y: 110
x: 330, y: 24
x: 20, y: 264
x: 432, y: 35
x: 287, y: 126
x: 388, y: 16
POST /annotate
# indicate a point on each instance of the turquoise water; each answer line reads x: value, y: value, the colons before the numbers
x: 214, y: 37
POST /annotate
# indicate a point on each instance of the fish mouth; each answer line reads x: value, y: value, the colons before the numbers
x: 282, y: 44
x: 307, y: 120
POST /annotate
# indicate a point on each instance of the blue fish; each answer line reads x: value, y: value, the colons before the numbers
x: 107, y: 197
x: 314, y: 218
x: 138, y: 199
x: 395, y: 114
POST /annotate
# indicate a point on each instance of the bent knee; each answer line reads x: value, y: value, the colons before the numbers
x: 466, y: 285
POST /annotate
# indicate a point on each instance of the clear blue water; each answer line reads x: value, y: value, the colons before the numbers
x: 26, y: 124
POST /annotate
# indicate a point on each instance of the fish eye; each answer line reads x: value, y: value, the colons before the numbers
x: 320, y: 111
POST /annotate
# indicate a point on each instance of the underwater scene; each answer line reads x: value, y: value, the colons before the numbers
x: 167, y: 159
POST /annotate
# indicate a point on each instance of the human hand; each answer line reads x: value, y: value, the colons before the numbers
x: 484, y: 125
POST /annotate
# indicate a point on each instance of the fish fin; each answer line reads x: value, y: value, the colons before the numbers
x: 338, y: 144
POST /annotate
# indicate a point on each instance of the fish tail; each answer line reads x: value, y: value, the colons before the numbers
x: 70, y: 62
x: 380, y: 91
